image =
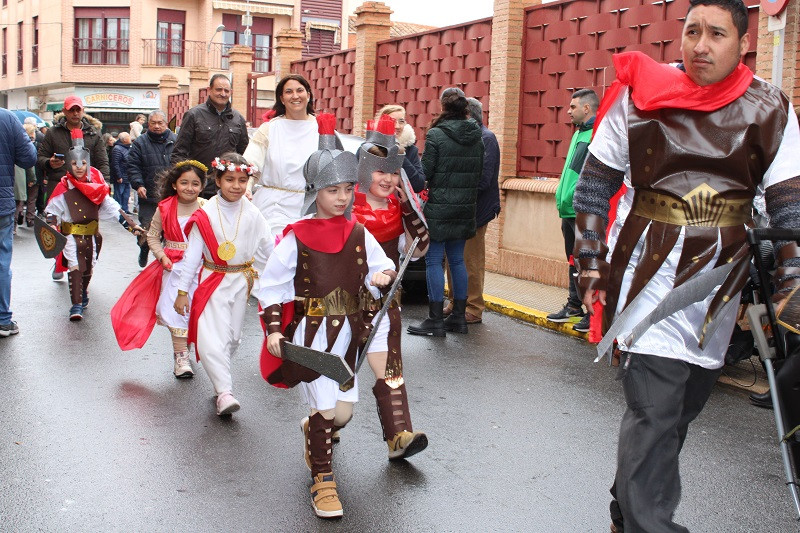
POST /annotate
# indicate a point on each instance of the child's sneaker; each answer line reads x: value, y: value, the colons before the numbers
x: 76, y: 313
x: 324, y: 498
x: 227, y: 404
x: 405, y: 444
x: 183, y: 368
x: 85, y: 299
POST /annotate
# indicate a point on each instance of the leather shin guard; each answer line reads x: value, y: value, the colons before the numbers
x: 320, y: 443
x: 392, y: 408
x: 75, y: 279
x: 87, y: 277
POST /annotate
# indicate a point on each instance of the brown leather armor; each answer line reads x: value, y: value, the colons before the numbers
x: 698, y: 170
x: 83, y: 211
x: 327, y: 288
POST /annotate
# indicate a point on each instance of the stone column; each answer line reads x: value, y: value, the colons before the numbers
x: 241, y: 60
x: 198, y: 79
x: 288, y: 48
x: 791, y: 52
x: 167, y: 86
x: 372, y: 25
x: 507, y: 29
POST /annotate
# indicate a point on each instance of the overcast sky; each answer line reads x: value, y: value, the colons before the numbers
x: 439, y: 12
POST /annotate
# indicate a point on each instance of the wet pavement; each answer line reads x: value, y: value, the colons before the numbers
x: 522, y: 430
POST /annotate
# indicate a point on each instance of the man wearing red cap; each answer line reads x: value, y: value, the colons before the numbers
x: 696, y: 145
x: 58, y: 141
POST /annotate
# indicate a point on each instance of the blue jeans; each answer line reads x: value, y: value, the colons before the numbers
x: 434, y: 271
x: 122, y: 194
x: 6, y: 243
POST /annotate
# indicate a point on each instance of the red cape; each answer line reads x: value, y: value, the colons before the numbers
x: 133, y: 317
x: 658, y: 86
x: 207, y: 287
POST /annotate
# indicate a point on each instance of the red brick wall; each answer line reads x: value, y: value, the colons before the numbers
x: 568, y: 46
x: 332, y: 80
x: 413, y: 70
x: 177, y: 105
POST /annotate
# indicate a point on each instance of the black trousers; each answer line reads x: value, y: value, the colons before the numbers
x: 663, y: 396
x: 568, y: 230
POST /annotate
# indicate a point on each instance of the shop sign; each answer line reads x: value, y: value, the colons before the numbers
x: 112, y: 97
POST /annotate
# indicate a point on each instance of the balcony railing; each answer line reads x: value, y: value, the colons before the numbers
x: 193, y: 54
x: 90, y: 51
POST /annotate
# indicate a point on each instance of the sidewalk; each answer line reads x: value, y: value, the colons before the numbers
x: 532, y: 302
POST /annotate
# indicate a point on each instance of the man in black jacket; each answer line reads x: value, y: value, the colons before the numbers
x: 148, y: 156
x: 210, y: 129
x: 487, y: 208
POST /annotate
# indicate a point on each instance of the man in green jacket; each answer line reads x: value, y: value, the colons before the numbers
x: 582, y: 110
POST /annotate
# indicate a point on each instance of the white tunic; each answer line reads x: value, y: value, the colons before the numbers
x: 676, y: 337
x: 219, y: 327
x: 109, y: 209
x: 165, y: 310
x: 279, y: 149
x: 277, y: 287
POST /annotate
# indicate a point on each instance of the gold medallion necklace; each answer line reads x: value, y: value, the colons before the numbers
x: 227, y: 249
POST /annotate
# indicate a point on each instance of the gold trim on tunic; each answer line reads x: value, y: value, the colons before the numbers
x: 703, y: 206
x: 369, y: 303
x: 245, y: 268
x: 336, y: 303
x: 79, y: 229
x: 176, y: 245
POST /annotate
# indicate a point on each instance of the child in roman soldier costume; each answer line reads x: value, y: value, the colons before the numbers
x: 385, y: 209
x: 150, y: 296
x: 310, y: 295
x: 228, y: 242
x: 76, y: 205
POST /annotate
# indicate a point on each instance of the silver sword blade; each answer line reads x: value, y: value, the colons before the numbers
x: 327, y: 364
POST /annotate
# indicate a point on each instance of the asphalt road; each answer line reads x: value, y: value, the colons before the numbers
x: 522, y: 429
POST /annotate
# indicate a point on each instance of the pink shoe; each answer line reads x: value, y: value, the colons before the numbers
x: 227, y: 404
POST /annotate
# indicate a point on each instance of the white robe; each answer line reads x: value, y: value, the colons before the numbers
x: 219, y: 327
x: 277, y: 287
x: 165, y: 310
x: 279, y: 149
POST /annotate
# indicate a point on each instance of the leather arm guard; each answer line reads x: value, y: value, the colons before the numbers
x: 414, y: 226
x: 597, y: 184
x: 590, y: 251
x: 272, y: 318
x: 784, y: 212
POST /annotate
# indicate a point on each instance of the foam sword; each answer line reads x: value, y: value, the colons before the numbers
x: 333, y: 366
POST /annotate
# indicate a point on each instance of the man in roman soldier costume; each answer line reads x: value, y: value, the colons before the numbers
x: 385, y: 209
x: 310, y: 291
x: 76, y: 205
x: 698, y: 141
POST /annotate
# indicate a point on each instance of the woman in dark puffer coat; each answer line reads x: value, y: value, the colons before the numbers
x: 453, y: 161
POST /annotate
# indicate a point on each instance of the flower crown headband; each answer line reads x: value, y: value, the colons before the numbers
x: 194, y: 163
x: 223, y: 165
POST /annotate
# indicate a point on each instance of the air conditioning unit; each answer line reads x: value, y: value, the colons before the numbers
x: 34, y: 103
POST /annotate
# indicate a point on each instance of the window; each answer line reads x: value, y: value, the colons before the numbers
x: 101, y: 36
x: 35, y: 44
x: 4, y: 68
x: 261, y: 40
x: 169, y: 32
x: 19, y: 48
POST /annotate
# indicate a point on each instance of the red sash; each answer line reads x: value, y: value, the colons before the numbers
x: 95, y: 190
x: 326, y: 235
x: 133, y: 317
x: 207, y: 287
x: 654, y: 86
x: 384, y: 224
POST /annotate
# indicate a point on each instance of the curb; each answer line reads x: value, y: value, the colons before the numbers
x: 539, y: 318
x: 528, y: 314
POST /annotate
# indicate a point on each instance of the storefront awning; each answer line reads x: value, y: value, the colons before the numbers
x: 116, y: 110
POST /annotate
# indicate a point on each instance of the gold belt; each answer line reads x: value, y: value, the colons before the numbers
x: 176, y: 245
x: 698, y: 208
x: 370, y: 303
x: 246, y: 268
x: 70, y: 228
x: 282, y: 189
x: 337, y: 302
